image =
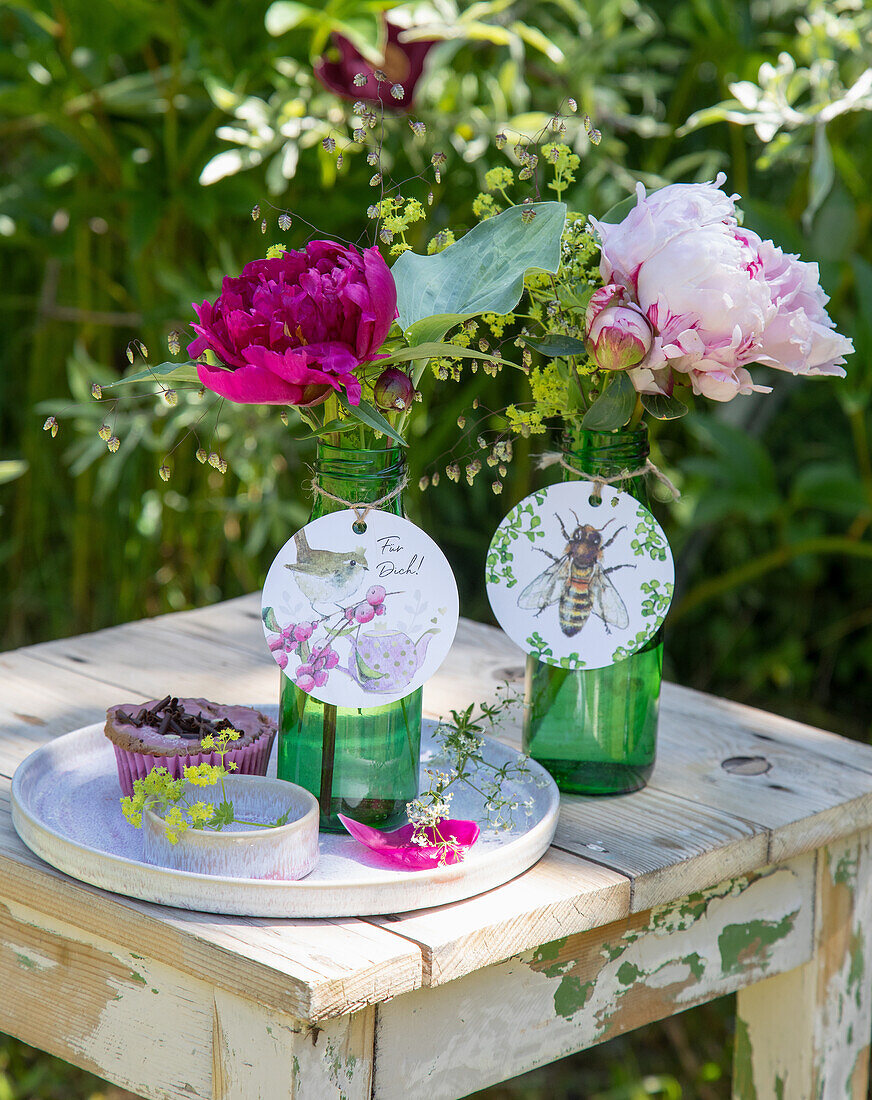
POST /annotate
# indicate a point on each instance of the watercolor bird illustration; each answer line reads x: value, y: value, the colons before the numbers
x: 327, y: 576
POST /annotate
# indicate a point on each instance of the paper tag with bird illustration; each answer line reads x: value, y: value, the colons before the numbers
x: 580, y: 580
x: 359, y: 614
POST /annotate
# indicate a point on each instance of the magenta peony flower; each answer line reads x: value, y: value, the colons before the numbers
x: 717, y: 297
x: 290, y: 329
x: 403, y: 64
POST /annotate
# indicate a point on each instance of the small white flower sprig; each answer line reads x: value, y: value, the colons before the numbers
x: 461, y: 742
x: 170, y: 798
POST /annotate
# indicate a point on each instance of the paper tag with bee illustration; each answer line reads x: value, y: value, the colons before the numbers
x: 359, y: 614
x: 577, y: 580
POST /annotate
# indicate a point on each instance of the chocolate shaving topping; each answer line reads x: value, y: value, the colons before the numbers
x: 169, y: 717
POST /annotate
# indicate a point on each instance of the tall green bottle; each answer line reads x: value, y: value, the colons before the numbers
x: 361, y: 763
x: 595, y: 730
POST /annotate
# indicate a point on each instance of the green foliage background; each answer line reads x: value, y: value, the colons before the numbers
x: 134, y: 141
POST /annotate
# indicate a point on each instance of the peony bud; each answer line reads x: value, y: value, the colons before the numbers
x: 619, y: 338
x: 393, y: 390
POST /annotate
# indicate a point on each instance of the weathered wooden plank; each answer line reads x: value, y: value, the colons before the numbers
x: 764, y: 726
x: 580, y: 990
x: 804, y: 800
x: 164, y: 1033
x: 805, y: 1034
x: 311, y: 968
x: 154, y: 658
x: 668, y: 846
x: 561, y: 895
x: 39, y: 701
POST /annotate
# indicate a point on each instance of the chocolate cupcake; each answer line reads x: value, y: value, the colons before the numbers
x: 168, y: 733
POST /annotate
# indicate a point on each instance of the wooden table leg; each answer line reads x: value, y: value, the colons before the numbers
x: 805, y: 1034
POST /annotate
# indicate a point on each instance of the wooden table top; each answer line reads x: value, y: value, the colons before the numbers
x: 696, y: 824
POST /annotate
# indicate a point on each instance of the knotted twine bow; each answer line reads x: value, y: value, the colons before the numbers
x: 555, y: 458
x: 361, y: 511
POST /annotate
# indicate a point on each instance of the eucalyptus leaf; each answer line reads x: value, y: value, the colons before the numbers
x: 370, y: 416
x: 323, y: 429
x: 614, y: 406
x: 662, y: 407
x: 483, y: 272
x: 556, y: 344
x: 162, y: 372
x: 436, y: 348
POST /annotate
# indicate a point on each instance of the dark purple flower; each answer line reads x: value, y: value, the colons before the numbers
x: 403, y: 64
x: 290, y: 329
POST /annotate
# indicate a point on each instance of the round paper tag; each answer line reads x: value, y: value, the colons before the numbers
x: 360, y: 615
x: 578, y: 584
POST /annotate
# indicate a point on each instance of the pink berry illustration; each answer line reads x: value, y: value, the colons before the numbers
x: 375, y: 595
x: 281, y: 659
x: 349, y: 614
x: 364, y: 612
x: 380, y: 610
x: 303, y: 631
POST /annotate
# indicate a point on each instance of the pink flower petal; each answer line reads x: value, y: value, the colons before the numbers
x: 396, y: 847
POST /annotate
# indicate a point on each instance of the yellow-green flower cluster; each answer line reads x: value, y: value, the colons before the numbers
x: 565, y: 163
x: 158, y: 786
x: 497, y: 322
x: 204, y: 775
x: 396, y: 213
x: 440, y: 242
x: 176, y: 824
x: 446, y: 369
x: 549, y: 386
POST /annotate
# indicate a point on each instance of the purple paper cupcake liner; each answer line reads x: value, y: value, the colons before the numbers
x: 249, y: 760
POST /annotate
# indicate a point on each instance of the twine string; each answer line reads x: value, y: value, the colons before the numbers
x: 555, y: 458
x: 361, y: 510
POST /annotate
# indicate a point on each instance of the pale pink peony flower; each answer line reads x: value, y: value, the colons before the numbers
x: 717, y: 297
x: 801, y: 338
x: 655, y: 220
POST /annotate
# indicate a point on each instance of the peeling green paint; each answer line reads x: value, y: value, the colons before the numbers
x: 696, y: 964
x: 155, y: 990
x: 743, y: 1067
x: 627, y: 973
x: 739, y: 942
x: 779, y: 1088
x: 138, y: 978
x: 25, y: 963
x: 548, y: 951
x: 571, y: 996
x: 855, y: 973
x: 845, y: 873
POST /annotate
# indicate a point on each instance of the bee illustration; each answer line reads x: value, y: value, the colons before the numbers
x: 578, y: 582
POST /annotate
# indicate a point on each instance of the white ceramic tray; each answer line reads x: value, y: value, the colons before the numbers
x: 65, y: 808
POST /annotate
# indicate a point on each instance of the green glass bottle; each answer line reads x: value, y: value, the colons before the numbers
x: 595, y: 730
x: 361, y: 763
